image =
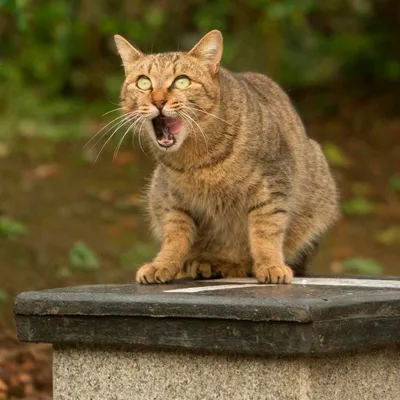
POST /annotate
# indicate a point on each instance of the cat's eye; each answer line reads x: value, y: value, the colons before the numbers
x: 182, y: 82
x: 144, y: 83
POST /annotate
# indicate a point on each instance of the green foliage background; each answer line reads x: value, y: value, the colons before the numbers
x: 65, y: 48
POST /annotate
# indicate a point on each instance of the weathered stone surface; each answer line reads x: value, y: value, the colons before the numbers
x: 122, y: 373
x: 238, y: 316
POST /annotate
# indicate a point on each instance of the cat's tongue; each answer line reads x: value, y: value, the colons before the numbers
x: 174, y: 125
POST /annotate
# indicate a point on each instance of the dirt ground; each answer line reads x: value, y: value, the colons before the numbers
x: 61, y: 198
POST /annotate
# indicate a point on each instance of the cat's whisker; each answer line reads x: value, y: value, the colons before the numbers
x: 116, y: 126
x: 201, y: 109
x: 110, y: 101
x: 192, y: 110
x: 111, y: 125
x: 123, y: 136
x: 140, y: 142
x: 134, y: 130
x: 114, y: 121
x: 204, y: 136
x: 115, y: 109
x: 133, y: 138
x: 183, y: 114
x: 110, y: 137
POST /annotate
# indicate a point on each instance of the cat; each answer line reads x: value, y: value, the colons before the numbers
x: 239, y: 189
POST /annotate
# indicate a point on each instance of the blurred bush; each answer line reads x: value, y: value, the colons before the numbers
x: 65, y: 47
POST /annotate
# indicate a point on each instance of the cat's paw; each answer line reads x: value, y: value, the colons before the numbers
x: 273, y: 274
x: 152, y: 273
x: 202, y: 270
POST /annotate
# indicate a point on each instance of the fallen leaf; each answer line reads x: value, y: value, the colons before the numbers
x: 336, y: 267
x: 388, y: 211
x: 124, y: 158
x: 335, y: 155
x: 89, y: 154
x: 342, y: 251
x: 63, y: 272
x: 29, y: 389
x: 357, y: 206
x: 44, y: 171
x: 4, y: 150
x: 128, y: 201
x: 394, y: 182
x: 132, y: 199
x: 393, y: 126
x: 3, y: 296
x: 28, y: 365
x: 106, y: 195
x: 363, y: 266
x: 129, y: 222
x: 389, y: 236
x: 362, y: 189
x: 114, y: 230
x: 11, y: 228
x: 81, y: 257
x: 25, y: 378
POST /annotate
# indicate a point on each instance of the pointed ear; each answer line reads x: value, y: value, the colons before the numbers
x: 209, y: 50
x: 129, y: 54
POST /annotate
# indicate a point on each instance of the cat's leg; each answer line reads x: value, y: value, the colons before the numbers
x: 178, y: 233
x: 209, y: 268
x: 267, y: 223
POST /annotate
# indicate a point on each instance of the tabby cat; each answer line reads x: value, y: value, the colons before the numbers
x: 239, y: 189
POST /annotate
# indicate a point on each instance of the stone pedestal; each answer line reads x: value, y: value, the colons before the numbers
x: 225, y: 339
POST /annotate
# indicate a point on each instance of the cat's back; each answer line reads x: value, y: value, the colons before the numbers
x: 258, y: 87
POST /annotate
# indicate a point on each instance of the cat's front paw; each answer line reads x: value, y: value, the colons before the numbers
x: 153, y: 273
x: 273, y: 274
x: 202, y: 270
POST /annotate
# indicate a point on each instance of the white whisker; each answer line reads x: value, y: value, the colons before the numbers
x: 108, y: 112
x: 204, y: 136
x: 110, y: 137
x: 104, y: 127
x: 133, y: 125
x: 140, y: 131
x: 117, y: 126
x: 183, y: 114
x: 201, y: 109
x: 113, y: 124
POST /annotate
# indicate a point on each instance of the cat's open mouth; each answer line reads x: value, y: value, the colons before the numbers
x: 165, y: 129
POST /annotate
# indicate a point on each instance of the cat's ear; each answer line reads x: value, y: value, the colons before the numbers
x: 209, y: 50
x: 129, y: 54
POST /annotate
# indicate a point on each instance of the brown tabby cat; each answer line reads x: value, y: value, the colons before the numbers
x: 239, y: 188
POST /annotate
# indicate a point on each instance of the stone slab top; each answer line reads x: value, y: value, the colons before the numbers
x: 304, y: 301
x: 312, y: 315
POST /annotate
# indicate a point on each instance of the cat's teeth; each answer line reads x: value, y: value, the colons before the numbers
x: 166, y: 141
x: 166, y: 133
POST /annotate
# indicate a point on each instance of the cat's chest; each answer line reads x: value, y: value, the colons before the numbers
x: 222, y: 200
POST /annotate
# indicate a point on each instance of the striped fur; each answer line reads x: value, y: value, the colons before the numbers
x: 244, y: 191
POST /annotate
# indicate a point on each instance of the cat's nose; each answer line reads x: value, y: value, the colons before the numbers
x: 159, y: 103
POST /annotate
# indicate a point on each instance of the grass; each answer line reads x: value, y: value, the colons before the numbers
x: 28, y: 113
x: 11, y: 228
x: 82, y: 257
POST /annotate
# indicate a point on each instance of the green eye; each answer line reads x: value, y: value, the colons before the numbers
x: 144, y: 83
x: 182, y: 82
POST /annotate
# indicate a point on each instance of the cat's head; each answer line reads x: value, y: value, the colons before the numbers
x: 166, y: 96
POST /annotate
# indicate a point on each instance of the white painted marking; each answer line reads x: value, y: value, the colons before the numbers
x: 240, y: 283
x: 370, y: 283
x: 208, y: 288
